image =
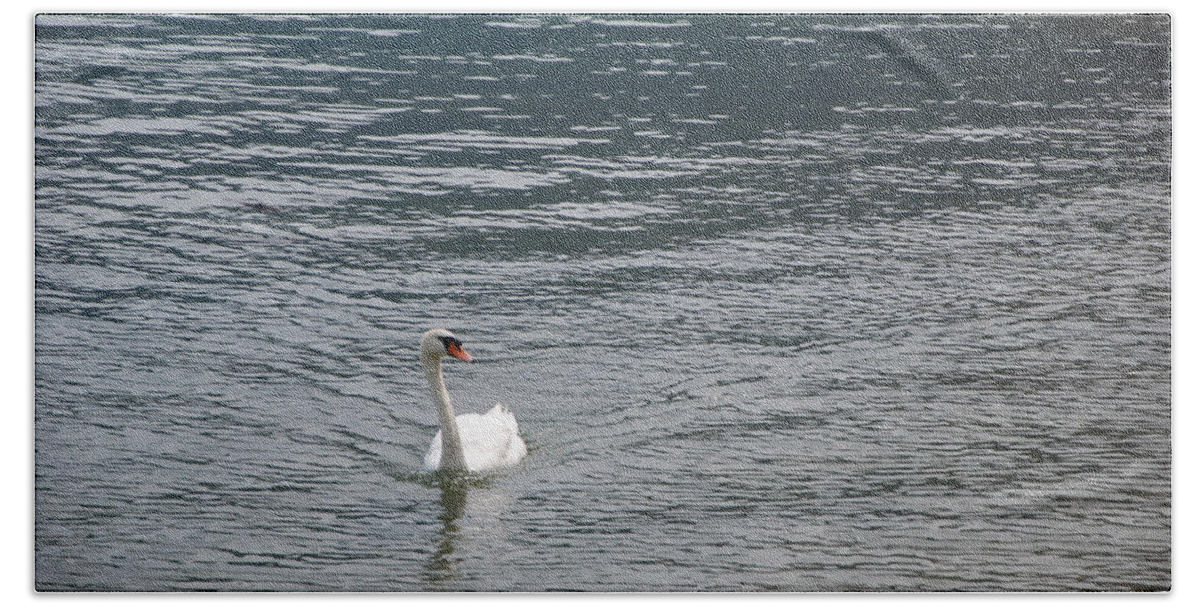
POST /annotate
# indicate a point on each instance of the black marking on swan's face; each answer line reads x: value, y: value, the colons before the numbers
x: 448, y: 341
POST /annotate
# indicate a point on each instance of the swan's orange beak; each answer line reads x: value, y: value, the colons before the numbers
x: 457, y: 352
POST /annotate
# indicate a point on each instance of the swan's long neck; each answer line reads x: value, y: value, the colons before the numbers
x: 452, y: 447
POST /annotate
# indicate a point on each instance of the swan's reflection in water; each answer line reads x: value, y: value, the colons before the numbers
x: 454, y: 503
x: 472, y: 529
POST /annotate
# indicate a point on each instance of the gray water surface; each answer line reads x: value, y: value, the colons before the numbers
x: 781, y: 302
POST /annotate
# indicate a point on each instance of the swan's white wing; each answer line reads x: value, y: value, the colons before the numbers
x: 490, y: 441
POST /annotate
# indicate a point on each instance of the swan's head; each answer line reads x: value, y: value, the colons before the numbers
x: 437, y: 343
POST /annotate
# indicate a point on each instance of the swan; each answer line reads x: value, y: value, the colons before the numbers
x: 471, y: 443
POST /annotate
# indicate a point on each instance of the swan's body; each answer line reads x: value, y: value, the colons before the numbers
x: 469, y: 442
x: 489, y: 441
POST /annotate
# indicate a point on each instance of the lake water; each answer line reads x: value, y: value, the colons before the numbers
x: 781, y: 302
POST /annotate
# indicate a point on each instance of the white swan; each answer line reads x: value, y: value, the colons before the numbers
x: 469, y: 442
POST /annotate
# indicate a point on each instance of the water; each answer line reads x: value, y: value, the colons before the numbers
x: 799, y: 303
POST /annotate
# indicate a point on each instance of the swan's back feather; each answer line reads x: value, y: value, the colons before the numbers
x: 490, y: 441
